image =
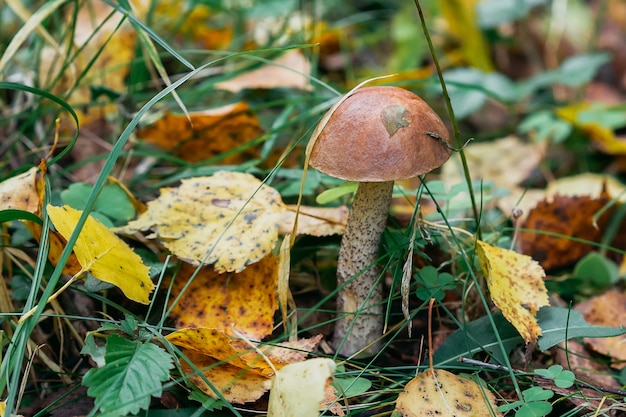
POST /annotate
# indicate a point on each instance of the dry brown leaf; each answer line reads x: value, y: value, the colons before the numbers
x: 506, y: 162
x: 516, y: 287
x: 315, y: 221
x: 245, y: 301
x: 231, y: 216
x: 295, y: 75
x: 245, y: 373
x: 207, y: 134
x: 549, y: 228
x: 441, y: 393
x: 608, y: 309
x: 20, y: 192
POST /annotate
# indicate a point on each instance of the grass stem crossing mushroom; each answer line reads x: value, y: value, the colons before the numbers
x: 376, y: 136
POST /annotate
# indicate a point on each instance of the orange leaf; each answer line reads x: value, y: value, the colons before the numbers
x: 565, y: 218
x: 208, y: 134
x: 245, y: 300
x: 516, y: 286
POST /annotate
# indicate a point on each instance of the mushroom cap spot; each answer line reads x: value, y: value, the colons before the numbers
x: 381, y: 134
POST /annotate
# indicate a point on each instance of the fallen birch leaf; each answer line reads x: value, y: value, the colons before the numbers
x: 555, y: 230
x: 245, y: 301
x: 291, y: 70
x: 299, y: 389
x: 230, y: 216
x: 104, y: 255
x: 207, y: 134
x: 516, y: 287
x: 20, y: 192
x: 608, y: 309
x: 314, y: 221
x: 441, y: 393
x: 240, y: 373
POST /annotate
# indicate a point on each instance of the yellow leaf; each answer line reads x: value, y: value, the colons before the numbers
x: 444, y: 394
x: 104, y: 255
x: 462, y: 24
x: 299, y: 389
x: 585, y: 116
x: 241, y: 373
x: 315, y: 221
x: 245, y: 301
x: 516, y: 286
x: 231, y: 216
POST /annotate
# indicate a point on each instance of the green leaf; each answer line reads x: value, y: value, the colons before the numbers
x: 478, y: 336
x: 537, y: 394
x: 534, y: 409
x: 95, y: 352
x: 559, y: 323
x: 132, y: 374
x: 434, y: 285
x: 351, y: 387
x: 336, y: 193
x: 597, y: 270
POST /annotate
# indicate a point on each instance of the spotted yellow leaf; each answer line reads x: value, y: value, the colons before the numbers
x: 245, y: 301
x: 102, y: 254
x: 441, y: 393
x: 229, y: 219
x: 516, y: 286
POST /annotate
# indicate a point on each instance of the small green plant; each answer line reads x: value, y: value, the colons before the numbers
x: 561, y: 378
x: 534, y: 404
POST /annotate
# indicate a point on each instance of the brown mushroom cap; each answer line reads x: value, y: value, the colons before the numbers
x: 380, y: 134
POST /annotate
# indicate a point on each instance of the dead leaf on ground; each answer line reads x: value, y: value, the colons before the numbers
x: 516, y: 287
x: 104, y: 255
x: 315, y: 221
x: 231, y: 216
x: 444, y: 394
x: 552, y: 230
x: 208, y: 134
x: 295, y: 75
x: 608, y: 309
x: 244, y: 374
x: 245, y: 301
x: 20, y: 192
x: 299, y: 389
x: 507, y: 162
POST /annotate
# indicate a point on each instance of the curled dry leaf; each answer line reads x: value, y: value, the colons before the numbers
x: 298, y: 389
x: 516, y: 287
x: 104, y: 255
x: 441, y: 393
x: 315, y: 221
x: 207, y: 134
x: 244, y: 301
x: 230, y: 216
x: 243, y: 374
x: 555, y: 231
x: 20, y: 192
x: 608, y: 309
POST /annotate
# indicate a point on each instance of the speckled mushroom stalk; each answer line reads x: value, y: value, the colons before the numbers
x: 375, y: 136
x: 361, y: 296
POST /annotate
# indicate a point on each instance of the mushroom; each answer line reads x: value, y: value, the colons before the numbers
x: 375, y: 136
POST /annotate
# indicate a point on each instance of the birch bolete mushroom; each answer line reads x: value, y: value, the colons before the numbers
x: 376, y: 136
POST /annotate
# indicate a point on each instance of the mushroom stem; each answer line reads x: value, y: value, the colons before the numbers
x: 360, y: 296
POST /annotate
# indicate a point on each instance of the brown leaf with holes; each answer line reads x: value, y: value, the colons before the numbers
x: 208, y: 134
x: 608, y: 309
x: 244, y: 301
x: 553, y: 231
